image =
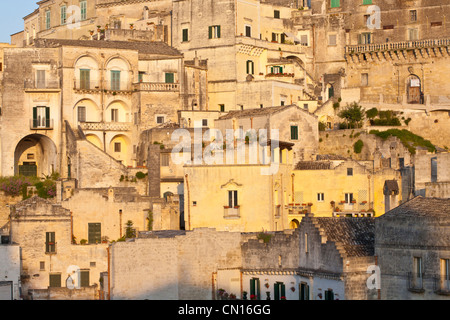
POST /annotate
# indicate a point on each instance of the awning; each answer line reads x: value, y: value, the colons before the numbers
x: 391, y: 187
x: 291, y: 35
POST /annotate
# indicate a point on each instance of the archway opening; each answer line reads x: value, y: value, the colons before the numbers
x: 35, y: 155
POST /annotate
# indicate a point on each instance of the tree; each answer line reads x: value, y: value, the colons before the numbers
x: 130, y: 232
x: 372, y: 113
x: 353, y: 115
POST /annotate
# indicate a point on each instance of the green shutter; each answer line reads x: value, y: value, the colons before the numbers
x: 258, y: 289
x: 170, y: 77
x: 281, y: 69
x: 276, y: 289
x: 294, y: 133
x: 84, y: 278
x: 85, y: 77
x: 47, y: 117
x: 55, y: 280
x: 252, y: 287
x: 210, y: 32
x: 94, y: 233
x: 35, y: 120
x: 185, y: 35
x: 335, y: 3
x: 218, y: 31
x: 283, y: 290
x: 367, y: 1
x: 115, y: 80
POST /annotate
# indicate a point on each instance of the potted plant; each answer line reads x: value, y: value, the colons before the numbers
x: 99, y: 28
x: 244, y: 295
x: 131, y: 25
x: 105, y: 239
x: 83, y: 241
x: 283, y: 298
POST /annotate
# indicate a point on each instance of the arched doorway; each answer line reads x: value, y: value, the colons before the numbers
x: 414, y: 89
x: 294, y: 224
x: 119, y: 148
x: 35, y: 155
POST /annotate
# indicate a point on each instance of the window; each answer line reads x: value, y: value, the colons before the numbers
x: 81, y: 114
x: 348, y: 198
x: 365, y: 38
x: 50, y: 244
x: 160, y: 119
x: 114, y: 115
x: 95, y: 230
x: 367, y: 1
x: 335, y: 3
x: 83, y: 7
x: 55, y: 280
x: 276, y: 14
x: 204, y: 122
x: 306, y: 243
x: 304, y: 40
x: 413, y: 34
x: 332, y: 40
x: 47, y: 19
x: 115, y: 80
x: 222, y: 107
x: 214, y: 32
x: 117, y: 147
x: 141, y: 76
x: 413, y: 15
x: 364, y: 79
x: 304, y: 291
x: 41, y: 117
x: 63, y: 15
x: 279, y: 291
x: 349, y: 171
x: 248, y: 31
x: 276, y: 69
x: 329, y: 294
x: 40, y: 79
x: 84, y: 278
x: 294, y: 132
x: 185, y: 35
x: 250, y: 67
x: 274, y: 37
x: 434, y: 169
x: 42, y: 265
x: 232, y: 198
x: 170, y: 77
x: 320, y: 197
x: 255, y: 289
x: 164, y: 160
x: 85, y: 78
x: 417, y: 268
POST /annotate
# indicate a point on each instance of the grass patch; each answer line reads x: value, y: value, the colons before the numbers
x: 410, y: 140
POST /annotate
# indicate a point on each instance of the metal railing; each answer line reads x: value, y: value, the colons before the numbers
x: 41, y: 124
x: 36, y: 85
x: 401, y: 45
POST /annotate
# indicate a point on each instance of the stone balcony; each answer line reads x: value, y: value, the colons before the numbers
x: 402, y: 45
x: 157, y: 87
x: 106, y: 126
x: 354, y: 209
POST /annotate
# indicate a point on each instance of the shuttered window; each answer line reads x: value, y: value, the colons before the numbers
x: 335, y: 3
x: 47, y: 19
x: 367, y: 1
x: 84, y: 278
x: 55, y: 280
x: 250, y: 67
x: 304, y: 291
x: 85, y: 78
x: 41, y: 117
x: 185, y: 35
x: 279, y: 290
x: 81, y: 114
x: 294, y: 132
x: 63, y: 14
x: 40, y: 79
x: 170, y: 77
x: 232, y: 198
x: 214, y: 32
x: 255, y: 288
x: 50, y: 242
x: 115, y: 80
x: 329, y: 294
x: 83, y: 7
x: 95, y: 232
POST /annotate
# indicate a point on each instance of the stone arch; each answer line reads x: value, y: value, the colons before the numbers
x: 121, y: 115
x: 95, y: 140
x: 87, y: 72
x: 91, y: 110
x: 35, y: 155
x: 120, y: 147
x: 121, y: 66
x: 294, y: 224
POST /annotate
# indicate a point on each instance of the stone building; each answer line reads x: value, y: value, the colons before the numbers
x: 10, y: 272
x: 412, y: 250
x: 43, y: 231
x: 342, y: 187
x: 432, y: 174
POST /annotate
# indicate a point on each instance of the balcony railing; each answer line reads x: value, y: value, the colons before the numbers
x: 355, y: 208
x: 106, y: 126
x: 157, y: 86
x: 86, y: 85
x: 41, y: 85
x: 442, y: 285
x: 392, y: 46
x: 298, y: 208
x: 41, y: 124
x: 108, y: 86
x: 232, y: 212
x: 415, y: 282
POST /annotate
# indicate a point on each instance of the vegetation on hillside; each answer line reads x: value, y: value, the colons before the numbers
x: 408, y: 139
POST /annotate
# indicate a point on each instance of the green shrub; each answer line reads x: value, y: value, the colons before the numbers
x: 357, y: 147
x: 140, y: 175
x: 408, y: 139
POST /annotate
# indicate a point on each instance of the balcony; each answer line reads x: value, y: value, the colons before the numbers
x: 353, y: 209
x: 298, y: 208
x: 86, y: 86
x: 41, y: 124
x: 156, y: 87
x: 442, y: 285
x: 39, y: 86
x: 394, y: 46
x: 106, y: 126
x: 231, y: 212
x: 415, y: 282
x: 93, y: 86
